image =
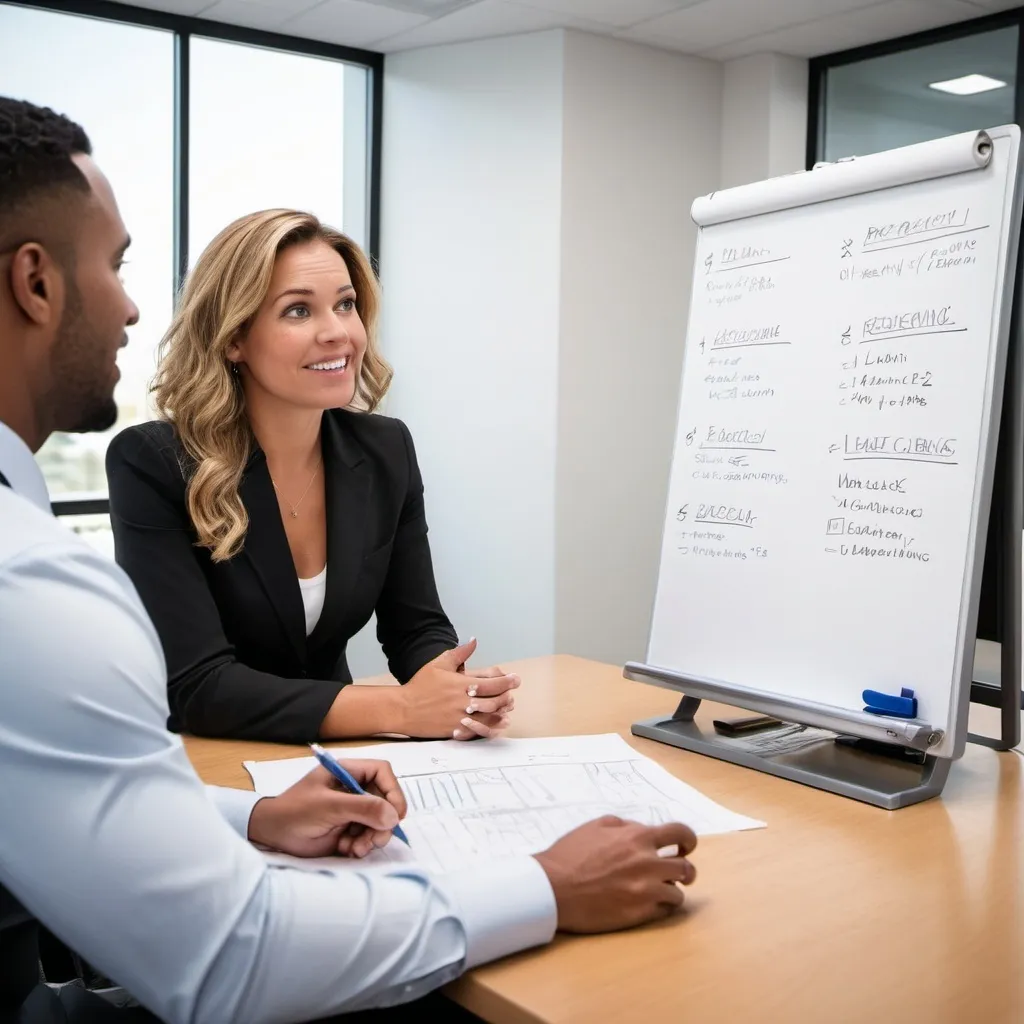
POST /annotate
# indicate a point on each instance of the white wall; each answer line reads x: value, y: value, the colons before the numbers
x: 764, y: 118
x: 536, y: 258
x: 470, y: 265
x: 641, y: 130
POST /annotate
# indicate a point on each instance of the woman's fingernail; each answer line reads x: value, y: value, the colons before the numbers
x: 471, y: 692
x: 471, y: 709
x: 468, y: 723
x: 455, y: 734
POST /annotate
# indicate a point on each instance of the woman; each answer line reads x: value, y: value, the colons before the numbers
x: 267, y: 514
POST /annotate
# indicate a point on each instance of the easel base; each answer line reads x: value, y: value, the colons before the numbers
x: 870, y: 778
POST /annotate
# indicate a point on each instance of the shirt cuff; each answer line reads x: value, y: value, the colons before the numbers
x: 505, y: 908
x: 235, y: 806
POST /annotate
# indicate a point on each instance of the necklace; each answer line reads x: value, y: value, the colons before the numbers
x: 295, y: 508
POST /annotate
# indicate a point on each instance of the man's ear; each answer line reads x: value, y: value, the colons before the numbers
x: 37, y: 284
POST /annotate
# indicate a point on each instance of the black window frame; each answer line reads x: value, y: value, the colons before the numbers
x: 818, y: 68
x: 183, y: 28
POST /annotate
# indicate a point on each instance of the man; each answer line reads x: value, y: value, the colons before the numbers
x: 106, y: 834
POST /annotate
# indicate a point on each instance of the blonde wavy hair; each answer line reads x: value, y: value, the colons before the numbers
x: 195, y: 388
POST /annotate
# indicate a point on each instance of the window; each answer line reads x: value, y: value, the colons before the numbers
x: 883, y: 102
x: 274, y: 129
x: 118, y: 82
x: 195, y: 123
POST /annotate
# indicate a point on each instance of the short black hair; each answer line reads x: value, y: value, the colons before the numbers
x: 36, y: 147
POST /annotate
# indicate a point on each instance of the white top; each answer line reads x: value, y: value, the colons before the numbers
x: 107, y: 829
x: 313, y: 592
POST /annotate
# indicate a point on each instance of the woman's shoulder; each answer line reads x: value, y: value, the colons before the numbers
x: 146, y: 446
x: 373, y: 432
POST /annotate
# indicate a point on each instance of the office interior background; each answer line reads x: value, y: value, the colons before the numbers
x: 523, y: 174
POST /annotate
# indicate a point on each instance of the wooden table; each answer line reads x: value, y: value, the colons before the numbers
x: 836, y: 912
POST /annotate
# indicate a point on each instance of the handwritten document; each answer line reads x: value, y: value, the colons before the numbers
x: 469, y: 801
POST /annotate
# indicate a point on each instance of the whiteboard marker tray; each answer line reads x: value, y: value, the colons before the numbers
x: 873, y: 779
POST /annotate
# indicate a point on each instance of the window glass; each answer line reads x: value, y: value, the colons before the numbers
x: 885, y: 102
x: 117, y: 81
x: 272, y: 129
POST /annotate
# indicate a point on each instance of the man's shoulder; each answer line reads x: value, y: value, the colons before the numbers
x: 40, y: 558
x: 24, y: 526
x: 51, y: 579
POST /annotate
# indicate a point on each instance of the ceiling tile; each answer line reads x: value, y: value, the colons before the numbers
x: 854, y: 28
x: 713, y: 23
x: 429, y: 8
x: 188, y: 8
x: 286, y: 7
x: 612, y: 13
x: 480, y: 21
x: 264, y: 14
x: 351, y: 22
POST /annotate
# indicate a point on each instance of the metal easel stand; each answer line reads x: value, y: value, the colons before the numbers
x: 882, y: 781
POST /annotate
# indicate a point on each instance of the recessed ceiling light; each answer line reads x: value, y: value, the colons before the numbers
x: 968, y: 85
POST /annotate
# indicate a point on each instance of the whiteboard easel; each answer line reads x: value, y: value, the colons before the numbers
x: 800, y: 567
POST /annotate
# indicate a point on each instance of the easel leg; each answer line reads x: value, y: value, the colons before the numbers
x: 686, y: 710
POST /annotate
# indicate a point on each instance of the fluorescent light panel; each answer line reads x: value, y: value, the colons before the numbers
x: 968, y: 85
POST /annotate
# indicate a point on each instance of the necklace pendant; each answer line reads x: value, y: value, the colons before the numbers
x: 295, y: 515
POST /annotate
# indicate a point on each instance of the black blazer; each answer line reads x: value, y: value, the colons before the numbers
x: 239, y: 663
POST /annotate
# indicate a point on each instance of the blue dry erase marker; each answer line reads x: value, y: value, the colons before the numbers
x: 878, y: 703
x: 347, y: 781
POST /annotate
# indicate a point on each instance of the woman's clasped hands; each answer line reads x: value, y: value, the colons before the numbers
x: 445, y: 698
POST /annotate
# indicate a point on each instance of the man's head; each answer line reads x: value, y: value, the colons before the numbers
x: 63, y: 308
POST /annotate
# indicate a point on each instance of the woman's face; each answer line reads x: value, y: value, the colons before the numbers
x: 306, y: 343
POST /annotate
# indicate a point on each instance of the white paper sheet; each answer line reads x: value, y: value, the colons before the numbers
x: 469, y: 801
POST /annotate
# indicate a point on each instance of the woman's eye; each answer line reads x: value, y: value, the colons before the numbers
x: 296, y: 312
x: 347, y: 305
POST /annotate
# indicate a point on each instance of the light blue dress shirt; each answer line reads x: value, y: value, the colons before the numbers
x: 108, y: 836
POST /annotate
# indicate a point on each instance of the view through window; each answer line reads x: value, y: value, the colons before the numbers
x: 270, y: 122
x: 266, y: 130
x: 117, y: 81
x: 889, y: 101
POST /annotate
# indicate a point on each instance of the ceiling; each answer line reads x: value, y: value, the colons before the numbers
x: 719, y: 29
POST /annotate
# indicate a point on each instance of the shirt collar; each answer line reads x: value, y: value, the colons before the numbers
x: 21, y: 469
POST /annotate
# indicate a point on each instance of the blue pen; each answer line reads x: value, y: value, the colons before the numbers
x: 347, y: 781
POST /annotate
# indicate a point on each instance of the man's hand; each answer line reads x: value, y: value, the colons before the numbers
x: 608, y: 874
x: 317, y: 818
